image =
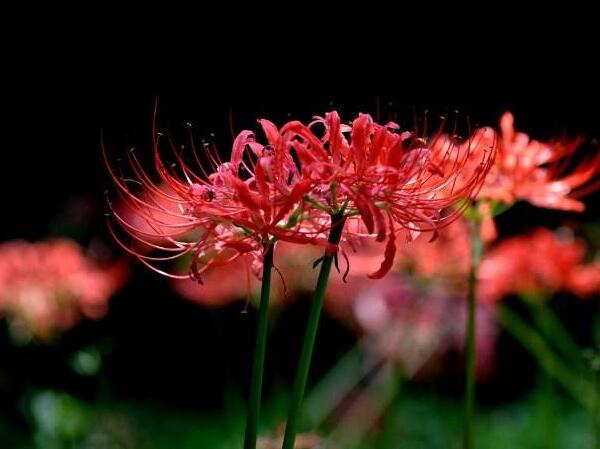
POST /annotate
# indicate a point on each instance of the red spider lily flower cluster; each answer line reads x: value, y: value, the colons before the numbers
x: 543, y: 174
x: 534, y: 171
x: 216, y: 215
x: 386, y: 180
x: 375, y: 178
x: 47, y: 287
x: 540, y: 173
x: 540, y: 263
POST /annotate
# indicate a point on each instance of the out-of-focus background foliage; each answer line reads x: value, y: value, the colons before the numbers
x: 157, y: 370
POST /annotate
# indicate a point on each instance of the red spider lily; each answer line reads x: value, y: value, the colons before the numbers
x: 216, y: 215
x: 540, y: 173
x: 46, y: 287
x: 542, y: 262
x: 382, y: 179
x: 155, y: 223
x: 534, y: 171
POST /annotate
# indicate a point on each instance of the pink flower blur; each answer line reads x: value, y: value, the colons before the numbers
x: 540, y: 263
x: 47, y: 287
x: 410, y: 324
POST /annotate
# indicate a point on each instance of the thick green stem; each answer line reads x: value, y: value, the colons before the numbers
x: 259, y: 352
x: 595, y: 366
x: 470, y: 337
x: 337, y: 225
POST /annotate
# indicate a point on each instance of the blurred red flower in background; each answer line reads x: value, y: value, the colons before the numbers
x: 410, y: 324
x: 47, y: 287
x: 446, y: 260
x: 542, y: 262
x: 544, y: 174
x: 537, y: 172
x: 541, y: 173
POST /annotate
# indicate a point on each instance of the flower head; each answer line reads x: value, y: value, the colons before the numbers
x: 222, y: 211
x: 541, y: 173
x: 536, y: 172
x: 294, y: 188
x: 381, y: 180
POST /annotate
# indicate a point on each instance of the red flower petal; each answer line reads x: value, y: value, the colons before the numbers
x: 388, y: 260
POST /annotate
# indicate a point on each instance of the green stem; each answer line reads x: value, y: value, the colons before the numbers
x: 259, y: 352
x: 337, y: 225
x: 547, y: 411
x: 597, y: 411
x: 470, y: 337
x: 595, y: 366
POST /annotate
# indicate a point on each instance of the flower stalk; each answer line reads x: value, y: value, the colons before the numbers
x: 258, y: 366
x: 470, y: 334
x: 337, y: 226
x: 597, y: 411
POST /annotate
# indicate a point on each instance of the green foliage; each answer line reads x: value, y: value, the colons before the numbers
x: 415, y: 420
